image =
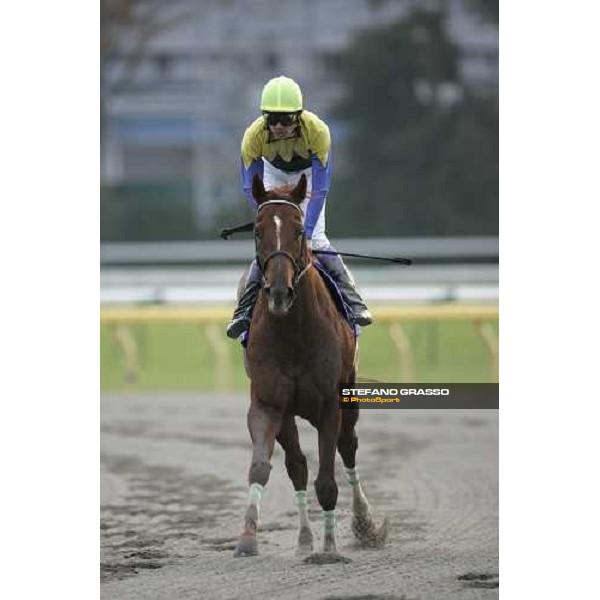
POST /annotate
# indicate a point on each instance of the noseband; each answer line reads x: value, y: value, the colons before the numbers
x: 299, y: 271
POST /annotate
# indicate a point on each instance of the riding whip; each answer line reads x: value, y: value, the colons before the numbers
x: 225, y: 233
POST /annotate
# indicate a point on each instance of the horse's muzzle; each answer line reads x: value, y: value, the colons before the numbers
x: 280, y: 299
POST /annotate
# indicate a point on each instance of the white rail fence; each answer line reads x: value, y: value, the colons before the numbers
x: 462, y: 269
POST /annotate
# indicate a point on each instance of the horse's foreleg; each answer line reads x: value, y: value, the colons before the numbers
x: 363, y: 525
x: 325, y: 485
x: 295, y: 463
x: 263, y: 425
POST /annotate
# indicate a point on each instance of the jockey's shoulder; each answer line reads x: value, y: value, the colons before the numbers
x: 313, y: 124
x: 257, y: 126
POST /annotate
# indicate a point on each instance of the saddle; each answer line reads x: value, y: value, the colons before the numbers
x: 337, y: 297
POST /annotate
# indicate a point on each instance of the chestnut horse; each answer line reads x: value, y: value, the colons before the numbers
x: 300, y: 350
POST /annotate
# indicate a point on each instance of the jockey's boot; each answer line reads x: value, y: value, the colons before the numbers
x: 337, y: 269
x: 242, y: 314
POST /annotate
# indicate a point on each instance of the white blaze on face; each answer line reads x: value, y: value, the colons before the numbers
x: 278, y: 231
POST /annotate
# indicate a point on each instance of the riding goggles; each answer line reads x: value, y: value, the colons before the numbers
x: 285, y: 119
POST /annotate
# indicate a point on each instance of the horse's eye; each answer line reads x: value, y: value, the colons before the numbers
x: 299, y: 233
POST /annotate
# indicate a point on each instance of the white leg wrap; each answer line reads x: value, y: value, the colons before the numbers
x: 256, y: 493
x: 360, y: 500
x: 352, y: 476
x: 301, y: 499
x: 329, y: 520
x: 302, y: 504
x: 254, y: 498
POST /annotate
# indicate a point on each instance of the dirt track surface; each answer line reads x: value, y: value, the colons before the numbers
x: 173, y: 478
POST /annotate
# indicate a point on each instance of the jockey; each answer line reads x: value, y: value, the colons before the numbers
x: 281, y: 145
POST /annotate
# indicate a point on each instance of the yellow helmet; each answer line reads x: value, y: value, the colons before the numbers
x: 281, y: 94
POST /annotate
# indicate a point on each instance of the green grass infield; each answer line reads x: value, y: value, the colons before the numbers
x: 180, y: 356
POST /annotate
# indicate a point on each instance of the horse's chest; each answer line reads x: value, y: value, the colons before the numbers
x: 312, y: 371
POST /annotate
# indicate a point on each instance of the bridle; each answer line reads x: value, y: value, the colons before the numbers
x: 299, y: 270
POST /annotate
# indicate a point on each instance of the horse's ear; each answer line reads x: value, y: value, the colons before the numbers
x: 299, y: 192
x: 258, y: 189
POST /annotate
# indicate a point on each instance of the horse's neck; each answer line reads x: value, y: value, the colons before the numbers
x: 312, y: 297
x: 310, y: 290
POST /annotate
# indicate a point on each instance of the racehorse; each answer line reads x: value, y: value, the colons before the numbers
x: 300, y: 349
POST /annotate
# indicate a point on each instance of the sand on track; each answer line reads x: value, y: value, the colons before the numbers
x: 173, y: 480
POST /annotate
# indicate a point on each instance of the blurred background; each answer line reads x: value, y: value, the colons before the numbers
x: 409, y: 89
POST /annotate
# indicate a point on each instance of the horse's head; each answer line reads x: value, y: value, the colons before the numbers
x: 281, y: 249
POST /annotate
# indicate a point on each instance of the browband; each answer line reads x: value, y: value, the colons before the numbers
x: 278, y: 202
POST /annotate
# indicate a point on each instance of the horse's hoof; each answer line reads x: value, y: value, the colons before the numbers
x: 326, y: 558
x: 247, y: 546
x: 304, y: 549
x: 305, y: 542
x: 383, y: 531
x: 366, y: 533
